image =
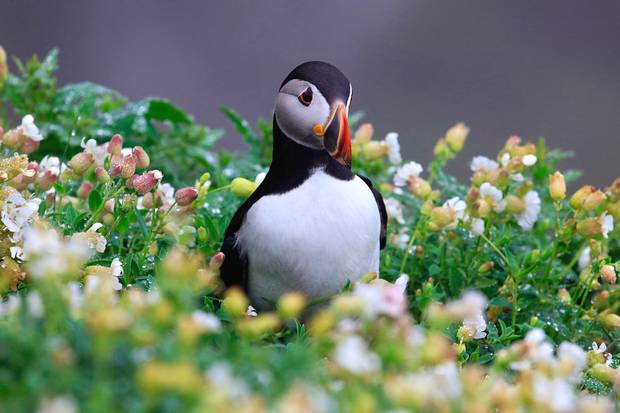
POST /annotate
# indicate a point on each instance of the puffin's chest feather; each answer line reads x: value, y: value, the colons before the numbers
x: 319, y: 234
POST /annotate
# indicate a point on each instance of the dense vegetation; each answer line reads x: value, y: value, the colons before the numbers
x: 496, y: 293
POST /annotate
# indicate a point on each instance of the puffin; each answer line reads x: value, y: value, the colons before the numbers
x: 312, y: 224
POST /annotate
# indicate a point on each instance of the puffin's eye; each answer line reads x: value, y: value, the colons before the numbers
x: 306, y: 97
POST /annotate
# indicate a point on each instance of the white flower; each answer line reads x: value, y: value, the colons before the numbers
x: 584, y: 258
x: 607, y: 224
x: 537, y: 351
x: 117, y: 267
x: 99, y: 152
x: 528, y: 217
x: 476, y: 226
x: 401, y: 239
x: 18, y: 213
x: 30, y: 129
x: 391, y: 140
x: 477, y: 325
x: 574, y: 356
x: 167, y: 192
x: 383, y: 298
x: 117, y: 271
x: 52, y: 164
x: 495, y: 195
x: 470, y: 308
x: 599, y: 349
x: 58, y: 404
x: 458, y: 207
x: 529, y: 160
x: 394, y: 210
x: 556, y: 394
x: 251, y: 311
x: 49, y: 254
x: 259, y: 178
x: 352, y: 354
x: 101, y: 242
x: 482, y: 163
x: 206, y: 321
x: 17, y: 253
x: 407, y: 171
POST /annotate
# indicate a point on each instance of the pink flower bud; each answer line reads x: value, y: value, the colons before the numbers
x: 102, y: 175
x: 116, y: 145
x: 142, y: 158
x: 46, y: 180
x: 19, y: 182
x: 13, y: 139
x: 129, y: 166
x: 84, y: 190
x: 145, y: 182
x: 116, y: 165
x: 109, y: 205
x: 186, y: 196
x: 29, y: 146
x: 81, y: 162
x: 147, y: 200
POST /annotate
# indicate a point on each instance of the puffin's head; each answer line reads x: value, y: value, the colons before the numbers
x: 312, y: 107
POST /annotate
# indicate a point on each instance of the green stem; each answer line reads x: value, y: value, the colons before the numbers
x: 99, y: 209
x: 495, y: 248
x: 408, y: 250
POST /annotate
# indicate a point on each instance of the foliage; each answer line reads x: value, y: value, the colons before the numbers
x: 490, y: 296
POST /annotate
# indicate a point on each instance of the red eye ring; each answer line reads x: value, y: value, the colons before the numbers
x: 305, y: 97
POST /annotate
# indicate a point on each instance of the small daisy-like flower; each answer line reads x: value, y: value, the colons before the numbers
x: 30, y: 129
x: 607, y: 224
x: 18, y: 213
x: 529, y: 216
x: 482, y: 163
x: 493, y: 194
x: 394, y: 210
x: 457, y: 206
x: 391, y: 140
x: 406, y: 172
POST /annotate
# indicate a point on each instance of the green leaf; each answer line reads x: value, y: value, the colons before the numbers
x: 163, y: 110
x: 241, y: 126
x: 94, y: 200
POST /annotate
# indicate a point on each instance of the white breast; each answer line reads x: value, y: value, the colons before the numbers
x: 311, y: 239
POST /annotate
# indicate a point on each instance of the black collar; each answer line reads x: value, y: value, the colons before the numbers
x: 293, y: 163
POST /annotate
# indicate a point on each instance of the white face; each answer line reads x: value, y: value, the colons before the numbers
x: 299, y: 107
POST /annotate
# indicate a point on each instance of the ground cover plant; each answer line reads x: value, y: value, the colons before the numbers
x: 497, y: 292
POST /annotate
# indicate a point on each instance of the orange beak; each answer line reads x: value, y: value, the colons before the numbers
x: 336, y: 135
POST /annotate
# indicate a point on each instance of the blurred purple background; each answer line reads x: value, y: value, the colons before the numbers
x: 530, y: 68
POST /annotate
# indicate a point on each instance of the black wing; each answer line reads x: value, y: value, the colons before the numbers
x: 234, y: 270
x: 382, y: 211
